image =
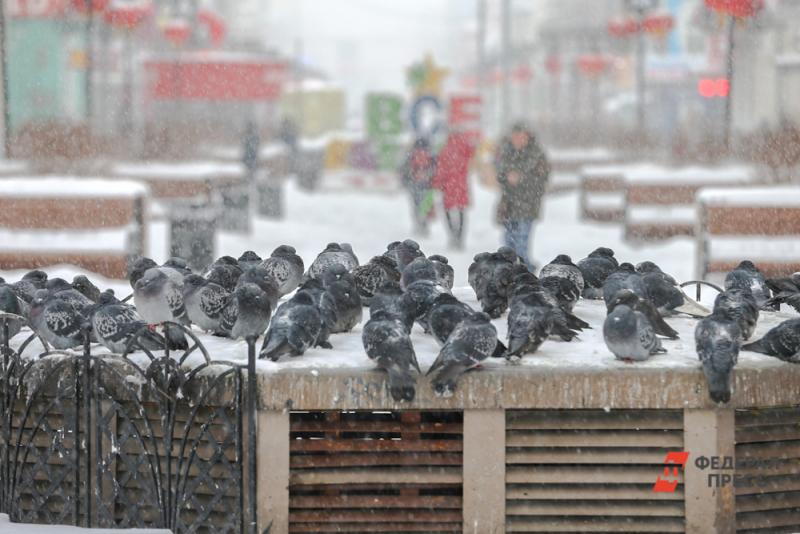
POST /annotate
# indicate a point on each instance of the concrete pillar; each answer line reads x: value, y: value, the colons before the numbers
x: 484, y: 473
x: 272, y: 450
x: 709, y: 433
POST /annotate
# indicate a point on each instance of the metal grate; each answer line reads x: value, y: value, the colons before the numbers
x: 375, y: 472
x: 591, y: 471
x: 768, y: 470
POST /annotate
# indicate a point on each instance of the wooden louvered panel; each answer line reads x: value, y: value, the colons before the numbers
x: 375, y: 472
x: 770, y: 440
x: 591, y: 471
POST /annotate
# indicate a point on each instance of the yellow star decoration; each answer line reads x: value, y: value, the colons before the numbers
x: 426, y: 78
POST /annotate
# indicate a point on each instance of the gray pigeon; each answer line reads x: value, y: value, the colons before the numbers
x: 85, y: 287
x: 115, y: 323
x: 490, y: 275
x: 386, y: 341
x: 740, y: 305
x: 785, y: 291
x: 249, y: 259
x: 629, y: 335
x: 56, y: 321
x: 595, y: 269
x: 717, y: 341
x: 563, y: 289
x: 644, y: 306
x: 294, y: 328
x: 783, y: 342
x: 10, y: 303
x: 625, y: 277
x: 472, y: 341
x: 565, y: 324
x: 174, y: 268
x: 747, y: 276
x: 665, y: 294
x: 261, y: 277
x: 403, y: 252
x: 252, y: 312
x: 562, y: 267
x: 204, y: 302
x: 285, y: 267
x: 390, y: 298
x: 446, y: 313
x: 341, y: 286
x: 445, y: 275
x: 530, y: 323
x: 334, y: 254
x: 159, y: 299
x: 420, y: 269
x: 370, y: 276
x: 420, y: 295
x: 29, y: 284
x: 61, y: 289
x: 326, y: 305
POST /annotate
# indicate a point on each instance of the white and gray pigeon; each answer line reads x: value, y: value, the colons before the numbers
x: 159, y: 299
x: 251, y: 312
x: 624, y: 277
x: 334, y: 254
x: 56, y: 321
x: 740, y: 305
x: 718, y: 339
x: 294, y: 328
x: 747, y: 276
x: 370, y: 276
x: 472, y: 341
x: 249, y: 259
x: 629, y: 334
x: 387, y: 343
x: 115, y: 324
x: 285, y: 267
x: 29, y: 284
x: 782, y: 341
x: 785, y: 291
x: 445, y: 274
x: 562, y: 267
x: 403, y: 252
x: 420, y: 269
x: 204, y: 302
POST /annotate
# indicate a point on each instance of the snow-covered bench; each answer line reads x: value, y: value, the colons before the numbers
x: 660, y: 201
x: 602, y: 191
x: 92, y: 223
x: 761, y: 224
x: 566, y: 163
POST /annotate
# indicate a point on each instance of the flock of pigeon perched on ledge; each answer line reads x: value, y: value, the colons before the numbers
x: 239, y: 299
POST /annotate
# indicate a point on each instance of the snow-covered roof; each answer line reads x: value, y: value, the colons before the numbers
x: 70, y: 187
x: 690, y: 175
x: 751, y: 196
x: 177, y: 170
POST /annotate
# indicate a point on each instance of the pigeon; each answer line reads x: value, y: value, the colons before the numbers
x: 29, y: 284
x: 565, y: 324
x: 10, y: 303
x: 625, y: 277
x: 159, y: 299
x: 563, y: 289
x: 225, y: 275
x: 717, y: 340
x: 530, y: 323
x: 420, y: 269
x: 56, y: 321
x: 629, y: 334
x: 61, y: 289
x: 261, y: 277
x: 562, y: 267
x: 595, y: 269
x: 390, y: 298
x: 472, y: 341
x: 173, y: 268
x: 334, y: 254
x: 249, y: 259
x: 115, y: 324
x: 387, y: 342
x: 445, y: 275
x: 137, y: 269
x: 341, y: 286
x: 178, y: 264
x: 783, y: 342
x: 285, y: 267
x: 294, y: 328
x: 252, y: 312
x: 645, y: 307
x: 420, y: 295
x: 326, y: 306
x: 446, y: 313
x: 740, y: 305
x: 665, y: 294
x: 785, y: 291
x: 370, y: 276
x: 84, y: 286
x: 747, y: 276
x: 490, y: 276
x: 204, y: 302
x: 646, y: 267
x: 403, y: 252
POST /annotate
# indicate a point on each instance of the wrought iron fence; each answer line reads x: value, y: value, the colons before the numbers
x: 145, y: 439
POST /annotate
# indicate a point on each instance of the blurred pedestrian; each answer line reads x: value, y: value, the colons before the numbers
x: 522, y: 172
x: 452, y: 170
x: 251, y: 142
x: 417, y: 174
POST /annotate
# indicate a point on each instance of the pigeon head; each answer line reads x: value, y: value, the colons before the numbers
x: 36, y: 277
x: 520, y: 268
x: 138, y: 269
x: 193, y: 281
x: 602, y: 252
x: 624, y: 297
x: 411, y: 244
x: 82, y: 284
x: 39, y: 297
x: 57, y: 284
x: 439, y: 258
x: 389, y: 288
x: 446, y: 298
x: 8, y: 301
x: 562, y: 259
x: 249, y: 255
x: 333, y: 273
x: 481, y: 257
x: 385, y: 261
x: 250, y: 295
x: 747, y: 265
x: 151, y: 283
x: 303, y: 298
x: 225, y: 260
x: 479, y: 318
x: 626, y: 268
x: 107, y: 297
x: 177, y: 263
x: 259, y: 276
x: 393, y: 245
x: 508, y: 254
x: 647, y: 267
x: 333, y: 247
x: 284, y: 250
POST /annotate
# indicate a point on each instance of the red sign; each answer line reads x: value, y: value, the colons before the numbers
x: 35, y: 8
x: 215, y: 80
x: 464, y: 113
x: 714, y: 88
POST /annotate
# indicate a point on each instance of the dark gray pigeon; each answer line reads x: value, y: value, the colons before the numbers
x: 782, y: 341
x: 10, y: 303
x: 421, y: 295
x: 252, y: 312
x: 562, y: 267
x: 717, y: 341
x: 249, y: 259
x: 785, y: 291
x: 420, y: 269
x: 334, y: 254
x: 173, y: 268
x: 740, y: 305
x: 747, y: 276
x: 204, y: 302
x: 56, y: 321
x: 29, y: 284
x: 490, y: 276
x: 326, y: 306
x: 115, y: 324
x: 665, y: 294
x: 137, y: 269
x: 286, y: 268
x: 370, y: 276
x: 644, y: 306
x: 445, y: 275
x: 225, y: 275
x: 341, y: 286
x: 294, y: 328
x: 261, y: 277
x: 629, y: 335
x: 84, y: 286
x: 646, y: 267
x: 566, y: 325
x: 446, y: 313
x: 530, y: 323
x: 386, y: 341
x: 563, y: 289
x: 60, y: 288
x: 472, y: 341
x: 403, y: 252
x: 178, y: 264
x: 595, y: 269
x: 390, y: 298
x: 625, y: 277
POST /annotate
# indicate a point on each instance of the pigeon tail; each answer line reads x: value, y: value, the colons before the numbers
x: 576, y: 323
x: 176, y: 340
x: 500, y: 350
x: 564, y: 332
x: 402, y: 385
x: 693, y: 308
x: 275, y: 347
x: 444, y: 383
x: 756, y: 346
x: 516, y: 344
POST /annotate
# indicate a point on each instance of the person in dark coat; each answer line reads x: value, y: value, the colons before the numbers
x: 522, y: 172
x: 251, y: 146
x: 452, y: 170
x: 417, y: 173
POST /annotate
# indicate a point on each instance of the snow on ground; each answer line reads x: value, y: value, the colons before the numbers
x: 20, y: 528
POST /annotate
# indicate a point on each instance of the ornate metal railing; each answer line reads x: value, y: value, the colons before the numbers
x: 142, y: 439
